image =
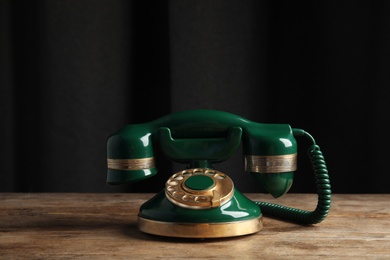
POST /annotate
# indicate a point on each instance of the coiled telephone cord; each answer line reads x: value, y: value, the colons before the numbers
x: 323, y: 190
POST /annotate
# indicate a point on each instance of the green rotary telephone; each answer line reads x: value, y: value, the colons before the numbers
x: 200, y: 201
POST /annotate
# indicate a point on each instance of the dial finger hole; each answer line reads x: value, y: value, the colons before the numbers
x: 198, y: 171
x: 171, y: 189
x: 186, y: 173
x: 210, y: 172
x: 201, y: 199
x: 177, y: 177
x: 178, y: 194
x: 172, y: 183
x: 188, y: 198
x: 220, y: 176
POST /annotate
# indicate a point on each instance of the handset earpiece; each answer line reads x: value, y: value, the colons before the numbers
x: 271, y: 156
x: 130, y: 155
x: 323, y: 187
x: 274, y: 173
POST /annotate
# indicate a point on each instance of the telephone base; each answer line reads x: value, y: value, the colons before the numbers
x: 200, y: 230
x: 239, y: 216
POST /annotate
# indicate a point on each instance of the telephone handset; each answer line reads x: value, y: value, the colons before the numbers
x: 200, y: 201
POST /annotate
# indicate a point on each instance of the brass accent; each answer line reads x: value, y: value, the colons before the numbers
x: 131, y: 164
x: 200, y: 230
x: 215, y: 196
x: 271, y: 164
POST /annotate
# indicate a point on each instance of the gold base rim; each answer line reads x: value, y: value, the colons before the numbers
x: 200, y: 230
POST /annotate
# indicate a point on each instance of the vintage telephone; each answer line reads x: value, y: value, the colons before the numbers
x: 200, y: 201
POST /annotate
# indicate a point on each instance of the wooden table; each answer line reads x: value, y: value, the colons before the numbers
x: 103, y: 226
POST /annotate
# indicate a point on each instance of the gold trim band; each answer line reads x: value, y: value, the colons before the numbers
x: 131, y: 164
x: 200, y: 230
x: 271, y: 164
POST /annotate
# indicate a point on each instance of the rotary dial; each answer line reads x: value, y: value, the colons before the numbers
x: 199, y: 188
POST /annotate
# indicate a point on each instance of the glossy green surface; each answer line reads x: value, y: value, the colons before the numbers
x: 187, y: 150
x: 202, y: 137
x: 239, y: 208
x: 198, y: 138
x: 277, y: 184
x: 199, y: 182
x: 136, y: 140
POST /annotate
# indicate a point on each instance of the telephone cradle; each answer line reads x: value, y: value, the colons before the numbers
x: 200, y: 201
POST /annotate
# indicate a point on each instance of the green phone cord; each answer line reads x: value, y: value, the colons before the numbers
x: 323, y: 190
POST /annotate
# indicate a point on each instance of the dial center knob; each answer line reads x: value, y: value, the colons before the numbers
x: 199, y: 182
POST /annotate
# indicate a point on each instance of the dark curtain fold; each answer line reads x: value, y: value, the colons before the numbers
x: 74, y: 72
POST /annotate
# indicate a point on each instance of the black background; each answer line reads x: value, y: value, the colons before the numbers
x: 74, y: 71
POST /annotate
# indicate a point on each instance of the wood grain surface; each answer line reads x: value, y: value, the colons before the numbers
x: 103, y: 226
